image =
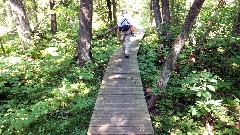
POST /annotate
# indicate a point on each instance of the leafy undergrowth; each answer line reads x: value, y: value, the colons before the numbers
x: 42, y: 90
x: 202, y: 95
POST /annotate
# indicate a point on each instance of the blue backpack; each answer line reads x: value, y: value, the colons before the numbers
x: 124, y: 27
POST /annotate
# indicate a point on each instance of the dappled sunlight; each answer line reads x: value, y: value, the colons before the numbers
x: 70, y: 90
x: 221, y: 50
x: 12, y: 60
x: 51, y: 50
x: 3, y: 30
x: 235, y: 66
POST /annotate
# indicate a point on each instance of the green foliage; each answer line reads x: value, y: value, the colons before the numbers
x: 148, y: 68
x: 42, y: 87
x: 202, y: 95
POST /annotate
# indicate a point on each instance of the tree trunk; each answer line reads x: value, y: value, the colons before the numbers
x: 53, y: 18
x: 166, y: 19
x: 236, y: 26
x: 2, y: 47
x: 84, y: 53
x: 114, y: 3
x: 158, y: 18
x: 175, y: 50
x: 109, y: 6
x: 165, y: 11
x: 23, y: 27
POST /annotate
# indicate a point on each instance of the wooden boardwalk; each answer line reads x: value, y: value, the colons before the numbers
x: 121, y: 107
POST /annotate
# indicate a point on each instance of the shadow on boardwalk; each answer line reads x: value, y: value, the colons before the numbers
x: 121, y: 107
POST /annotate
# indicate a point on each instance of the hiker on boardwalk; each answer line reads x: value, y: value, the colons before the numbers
x: 125, y: 30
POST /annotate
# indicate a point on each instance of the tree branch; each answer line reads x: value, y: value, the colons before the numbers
x: 105, y: 33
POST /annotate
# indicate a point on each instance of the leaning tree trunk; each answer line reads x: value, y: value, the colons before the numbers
x: 158, y: 18
x: 53, y: 18
x: 175, y: 50
x: 84, y: 53
x: 23, y: 27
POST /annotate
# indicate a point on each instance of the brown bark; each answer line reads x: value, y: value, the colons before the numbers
x: 84, y: 53
x: 158, y: 18
x: 175, y: 50
x: 114, y: 3
x: 53, y: 18
x: 23, y: 27
x: 109, y: 6
x: 165, y: 11
x: 2, y: 47
x: 166, y: 19
x: 236, y: 26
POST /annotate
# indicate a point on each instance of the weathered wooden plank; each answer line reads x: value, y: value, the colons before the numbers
x: 125, y: 97
x: 123, y: 72
x: 120, y: 123
x: 118, y: 112
x: 122, y: 116
x: 105, y: 130
x: 122, y: 76
x: 122, y: 69
x: 121, y: 91
x: 127, y: 88
x: 119, y: 75
x: 120, y: 106
x: 122, y: 82
x: 121, y: 109
x: 120, y: 57
x: 123, y: 85
x: 121, y: 101
x: 121, y: 65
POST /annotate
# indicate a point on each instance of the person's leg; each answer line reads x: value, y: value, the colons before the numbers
x: 122, y: 39
x: 126, y: 43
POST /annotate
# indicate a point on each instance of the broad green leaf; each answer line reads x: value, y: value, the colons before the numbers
x: 213, y: 80
x: 193, y: 111
x: 210, y: 87
x: 1, y: 84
